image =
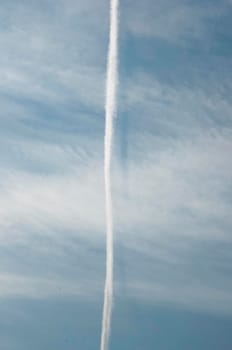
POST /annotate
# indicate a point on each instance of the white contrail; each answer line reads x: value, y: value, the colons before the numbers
x: 110, y: 109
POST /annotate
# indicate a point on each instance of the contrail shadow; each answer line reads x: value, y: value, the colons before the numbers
x: 124, y: 131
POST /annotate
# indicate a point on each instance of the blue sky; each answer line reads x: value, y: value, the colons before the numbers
x: 171, y: 175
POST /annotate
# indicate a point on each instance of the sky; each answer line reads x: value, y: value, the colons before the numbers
x: 171, y: 175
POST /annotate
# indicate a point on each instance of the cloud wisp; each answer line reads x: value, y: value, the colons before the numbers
x: 110, y: 109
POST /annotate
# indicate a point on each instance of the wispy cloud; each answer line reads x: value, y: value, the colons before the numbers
x: 173, y: 215
x: 177, y: 22
x: 191, y: 183
x: 36, y: 76
x: 16, y: 286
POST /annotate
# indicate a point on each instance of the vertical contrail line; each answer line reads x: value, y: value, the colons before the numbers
x: 110, y: 110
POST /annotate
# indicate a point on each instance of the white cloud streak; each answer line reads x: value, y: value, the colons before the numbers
x: 193, y: 207
x: 110, y: 109
x: 47, y: 188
